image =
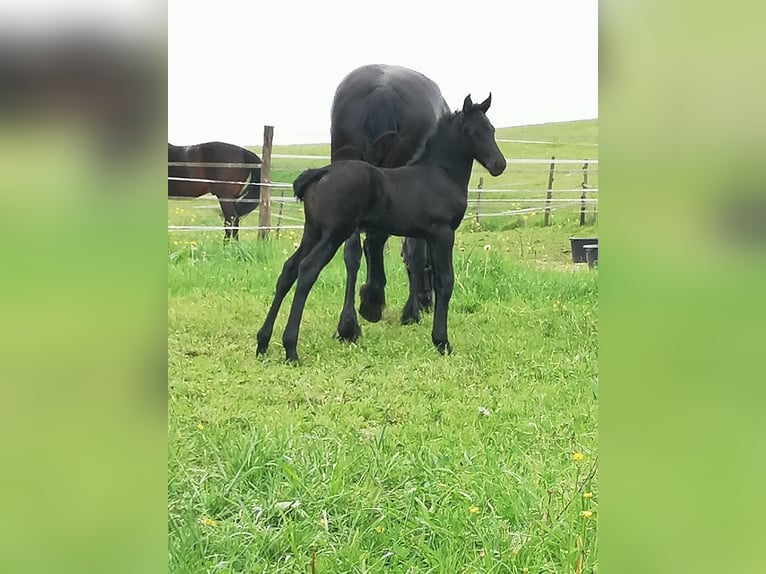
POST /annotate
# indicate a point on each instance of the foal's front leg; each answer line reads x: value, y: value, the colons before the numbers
x: 415, y: 255
x: 444, y: 279
x: 348, y: 325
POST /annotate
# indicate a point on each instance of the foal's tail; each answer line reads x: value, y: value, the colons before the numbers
x: 307, y: 177
x: 252, y: 194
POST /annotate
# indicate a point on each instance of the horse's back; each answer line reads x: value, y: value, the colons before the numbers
x: 209, y: 153
x: 381, y: 114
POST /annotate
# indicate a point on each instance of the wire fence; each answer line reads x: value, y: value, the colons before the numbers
x: 525, y: 200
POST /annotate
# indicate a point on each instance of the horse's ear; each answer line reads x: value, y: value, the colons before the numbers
x: 467, y: 104
x: 484, y: 106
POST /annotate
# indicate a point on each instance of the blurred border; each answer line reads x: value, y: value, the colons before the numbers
x: 83, y: 117
x: 683, y: 225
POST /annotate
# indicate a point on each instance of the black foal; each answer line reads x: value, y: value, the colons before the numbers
x: 426, y: 199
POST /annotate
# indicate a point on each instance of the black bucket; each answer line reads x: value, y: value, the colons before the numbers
x: 591, y: 255
x: 578, y: 247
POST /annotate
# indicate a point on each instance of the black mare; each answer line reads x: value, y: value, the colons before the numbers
x: 197, y: 180
x: 425, y: 199
x: 382, y: 114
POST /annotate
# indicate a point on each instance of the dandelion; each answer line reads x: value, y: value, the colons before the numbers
x: 577, y: 456
x: 379, y: 529
x: 205, y: 521
x: 587, y: 495
x: 525, y: 570
x: 200, y: 426
x: 484, y: 411
x: 473, y: 509
x: 586, y: 513
x: 564, y: 307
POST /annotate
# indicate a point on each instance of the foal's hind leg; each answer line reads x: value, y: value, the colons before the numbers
x: 286, y: 279
x: 372, y: 296
x: 348, y: 325
x: 308, y: 271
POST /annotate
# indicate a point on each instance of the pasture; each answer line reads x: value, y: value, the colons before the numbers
x: 383, y: 456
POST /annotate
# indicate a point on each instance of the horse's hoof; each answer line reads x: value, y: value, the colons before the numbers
x: 291, y: 358
x: 261, y: 348
x: 349, y: 331
x: 410, y: 316
x: 424, y: 305
x: 371, y: 303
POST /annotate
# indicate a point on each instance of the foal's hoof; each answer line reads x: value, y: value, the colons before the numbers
x: 349, y: 331
x: 371, y: 303
x: 291, y: 358
x: 443, y: 347
x: 263, y: 343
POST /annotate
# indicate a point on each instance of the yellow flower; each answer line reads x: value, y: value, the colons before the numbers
x: 586, y: 513
x: 525, y: 570
x: 587, y: 495
x: 379, y: 529
x: 199, y: 426
x: 564, y: 307
x: 473, y: 509
x: 576, y: 456
x: 205, y: 521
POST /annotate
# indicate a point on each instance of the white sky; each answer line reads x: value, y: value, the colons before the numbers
x: 234, y: 66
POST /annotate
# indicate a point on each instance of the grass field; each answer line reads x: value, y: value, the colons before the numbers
x: 384, y: 456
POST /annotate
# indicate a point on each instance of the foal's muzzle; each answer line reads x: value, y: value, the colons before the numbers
x: 497, y: 167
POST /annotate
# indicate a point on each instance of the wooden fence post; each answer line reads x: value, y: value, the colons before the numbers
x: 478, y: 199
x: 550, y: 191
x: 264, y: 214
x: 584, y: 188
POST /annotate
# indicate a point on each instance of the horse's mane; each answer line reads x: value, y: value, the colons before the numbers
x: 435, y: 140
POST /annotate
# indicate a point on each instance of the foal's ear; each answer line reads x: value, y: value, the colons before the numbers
x: 484, y: 106
x: 467, y: 104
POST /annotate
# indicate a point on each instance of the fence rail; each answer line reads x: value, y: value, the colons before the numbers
x: 487, y: 198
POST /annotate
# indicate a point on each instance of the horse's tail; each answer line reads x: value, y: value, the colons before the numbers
x: 248, y: 201
x: 306, y: 178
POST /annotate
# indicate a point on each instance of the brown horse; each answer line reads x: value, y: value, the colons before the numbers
x: 226, y: 181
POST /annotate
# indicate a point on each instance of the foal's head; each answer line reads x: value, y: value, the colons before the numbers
x: 479, y: 134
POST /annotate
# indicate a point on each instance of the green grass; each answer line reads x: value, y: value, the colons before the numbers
x: 420, y: 463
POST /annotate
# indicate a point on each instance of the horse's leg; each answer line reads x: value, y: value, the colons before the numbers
x: 308, y: 271
x: 229, y: 217
x: 415, y: 252
x: 372, y: 296
x: 286, y: 279
x: 348, y: 325
x: 441, y: 250
x: 235, y: 227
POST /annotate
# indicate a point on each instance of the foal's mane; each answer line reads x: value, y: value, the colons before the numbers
x: 435, y: 143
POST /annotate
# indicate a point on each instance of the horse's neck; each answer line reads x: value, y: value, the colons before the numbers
x: 446, y: 151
